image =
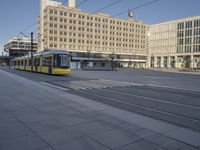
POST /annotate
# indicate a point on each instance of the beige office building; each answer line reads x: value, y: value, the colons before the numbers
x: 17, y: 47
x: 92, y: 37
x: 175, y: 44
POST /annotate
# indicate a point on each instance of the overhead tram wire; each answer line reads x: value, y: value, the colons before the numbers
x: 28, y: 27
x: 25, y: 29
x: 142, y: 5
x: 107, y: 6
x: 82, y: 2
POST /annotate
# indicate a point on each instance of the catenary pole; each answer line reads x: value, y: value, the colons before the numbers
x: 31, y: 51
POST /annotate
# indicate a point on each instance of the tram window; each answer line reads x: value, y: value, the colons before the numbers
x: 29, y: 62
x: 37, y: 62
x: 61, y: 60
x: 25, y: 63
x: 46, y: 61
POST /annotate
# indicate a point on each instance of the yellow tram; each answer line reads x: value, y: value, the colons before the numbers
x: 55, y: 62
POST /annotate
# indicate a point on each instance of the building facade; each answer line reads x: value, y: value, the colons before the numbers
x: 17, y: 47
x: 175, y: 44
x: 86, y: 35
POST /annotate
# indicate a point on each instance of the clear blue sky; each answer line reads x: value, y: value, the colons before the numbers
x: 16, y: 15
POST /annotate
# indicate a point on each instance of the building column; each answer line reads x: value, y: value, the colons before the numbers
x: 155, y: 62
x: 176, y: 61
x: 161, y: 61
x: 192, y: 61
x: 169, y: 62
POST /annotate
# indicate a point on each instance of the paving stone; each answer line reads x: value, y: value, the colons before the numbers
x: 4, y: 115
x: 187, y: 147
x: 7, y: 98
x: 133, y: 128
x: 59, y: 135
x: 44, y: 125
x: 174, y: 145
x: 158, y: 139
x: 80, y: 144
x: 72, y: 119
x: 25, y: 109
x: 136, y: 118
x: 65, y: 112
x: 51, y: 107
x: 23, y: 143
x: 115, y: 138
x: 11, y: 106
x: 2, y: 109
x: 142, y: 133
x: 47, y: 148
x: 12, y: 130
x: 92, y: 128
x: 185, y: 135
x: 32, y: 116
x: 91, y: 112
x: 158, y: 126
x: 8, y: 121
x: 140, y: 145
x: 114, y: 121
x: 30, y: 100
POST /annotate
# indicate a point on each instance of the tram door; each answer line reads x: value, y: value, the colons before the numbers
x: 50, y: 64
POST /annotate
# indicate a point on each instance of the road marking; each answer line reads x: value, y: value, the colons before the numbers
x: 121, y: 82
x: 85, y: 84
x: 91, y: 84
x: 55, y: 86
x: 144, y: 107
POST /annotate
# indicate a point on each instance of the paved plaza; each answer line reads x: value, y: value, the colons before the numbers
x: 94, y: 110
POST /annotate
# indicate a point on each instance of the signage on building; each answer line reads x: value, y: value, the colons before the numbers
x: 130, y: 13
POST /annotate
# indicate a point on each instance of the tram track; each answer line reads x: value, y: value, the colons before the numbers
x: 153, y: 99
x: 172, y: 117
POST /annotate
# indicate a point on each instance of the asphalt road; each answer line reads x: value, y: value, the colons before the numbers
x: 170, y: 97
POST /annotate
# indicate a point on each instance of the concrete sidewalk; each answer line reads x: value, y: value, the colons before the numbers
x: 34, y: 116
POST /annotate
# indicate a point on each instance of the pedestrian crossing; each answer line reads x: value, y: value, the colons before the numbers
x: 88, y: 84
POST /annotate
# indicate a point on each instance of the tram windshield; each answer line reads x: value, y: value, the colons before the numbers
x: 61, y: 61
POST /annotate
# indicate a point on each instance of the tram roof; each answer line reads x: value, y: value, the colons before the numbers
x: 46, y: 52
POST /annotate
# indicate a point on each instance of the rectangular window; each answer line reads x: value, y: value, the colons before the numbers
x: 188, y: 40
x: 188, y: 24
x: 188, y: 32
x: 197, y: 23
x: 180, y: 41
x: 197, y: 31
x: 61, y: 13
x: 179, y: 26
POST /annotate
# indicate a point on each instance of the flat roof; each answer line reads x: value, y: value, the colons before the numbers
x: 177, y: 20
